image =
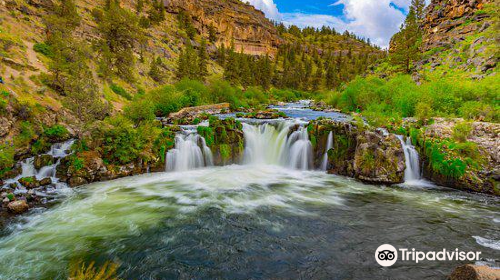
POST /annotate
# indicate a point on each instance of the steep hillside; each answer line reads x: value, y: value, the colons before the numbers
x: 460, y: 38
x: 234, y: 22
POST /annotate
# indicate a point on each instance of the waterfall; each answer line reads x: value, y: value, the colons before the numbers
x: 412, y: 171
x: 329, y: 145
x: 272, y: 144
x: 190, y: 152
x: 57, y: 151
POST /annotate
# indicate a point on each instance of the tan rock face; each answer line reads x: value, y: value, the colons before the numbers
x: 475, y: 272
x: 18, y: 206
x: 234, y: 21
x: 449, y: 21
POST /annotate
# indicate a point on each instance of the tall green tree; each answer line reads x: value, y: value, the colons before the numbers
x: 202, y: 60
x: 405, y: 45
x: 120, y: 31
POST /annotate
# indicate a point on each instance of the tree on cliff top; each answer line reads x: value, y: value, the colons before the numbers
x: 406, y: 43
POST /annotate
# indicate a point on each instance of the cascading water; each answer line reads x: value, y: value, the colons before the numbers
x: 329, y: 145
x: 57, y: 151
x: 191, y: 151
x: 412, y: 171
x: 271, y: 144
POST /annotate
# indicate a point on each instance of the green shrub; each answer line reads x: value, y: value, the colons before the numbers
x: 140, y: 111
x: 461, y: 131
x: 6, y: 158
x: 166, y: 100
x: 3, y: 106
x: 225, y: 151
x: 120, y: 91
x: 57, y: 132
x: 44, y: 49
x: 122, y: 143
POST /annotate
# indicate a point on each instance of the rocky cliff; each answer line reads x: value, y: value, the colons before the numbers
x: 450, y: 21
x: 233, y: 20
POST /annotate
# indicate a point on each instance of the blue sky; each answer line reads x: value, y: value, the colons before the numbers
x: 310, y: 7
x: 374, y: 19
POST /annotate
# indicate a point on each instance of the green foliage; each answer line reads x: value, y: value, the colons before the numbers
x: 225, y: 151
x: 400, y: 96
x: 3, y: 106
x: 120, y: 91
x: 123, y: 143
x: 44, y: 49
x: 56, y: 132
x: 185, y: 23
x: 207, y: 133
x: 11, y: 196
x: 406, y: 43
x: 7, y: 152
x: 461, y: 131
x: 155, y: 70
x: 120, y: 31
x: 140, y: 111
x: 76, y: 163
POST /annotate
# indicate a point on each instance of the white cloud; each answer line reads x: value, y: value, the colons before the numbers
x: 374, y: 19
x: 267, y: 6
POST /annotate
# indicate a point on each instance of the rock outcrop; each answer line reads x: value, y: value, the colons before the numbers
x: 379, y: 158
x: 449, y: 21
x: 196, y: 111
x: 235, y: 22
x: 18, y: 206
x: 368, y: 155
x: 469, y: 164
x: 475, y: 272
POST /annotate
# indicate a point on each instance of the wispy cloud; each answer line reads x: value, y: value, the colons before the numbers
x: 267, y: 6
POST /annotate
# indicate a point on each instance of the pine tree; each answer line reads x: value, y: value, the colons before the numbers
x: 406, y: 43
x: 120, y: 32
x: 202, y: 61
x: 155, y: 69
x: 212, y: 34
x: 232, y: 69
x: 418, y: 6
x: 139, y: 6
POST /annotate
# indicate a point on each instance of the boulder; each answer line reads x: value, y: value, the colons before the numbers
x: 45, y: 182
x: 379, y: 158
x: 18, y: 206
x: 77, y: 181
x: 29, y: 182
x: 475, y: 272
x: 43, y: 160
x: 195, y: 111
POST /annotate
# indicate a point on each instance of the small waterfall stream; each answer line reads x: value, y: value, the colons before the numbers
x: 191, y: 151
x: 329, y: 145
x: 57, y: 151
x: 412, y: 171
x: 273, y: 144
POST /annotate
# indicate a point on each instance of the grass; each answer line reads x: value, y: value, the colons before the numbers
x: 82, y: 271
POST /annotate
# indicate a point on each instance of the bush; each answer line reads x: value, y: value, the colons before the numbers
x: 166, y: 100
x: 140, y: 111
x: 121, y: 143
x: 57, y: 133
x: 120, y: 91
x: 461, y: 131
x: 43, y: 49
x: 6, y: 158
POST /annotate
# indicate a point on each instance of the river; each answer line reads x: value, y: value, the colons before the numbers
x: 262, y: 219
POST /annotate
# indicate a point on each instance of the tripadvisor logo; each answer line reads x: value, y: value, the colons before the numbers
x: 387, y: 255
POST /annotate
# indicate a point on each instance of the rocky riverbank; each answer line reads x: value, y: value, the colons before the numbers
x: 348, y: 148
